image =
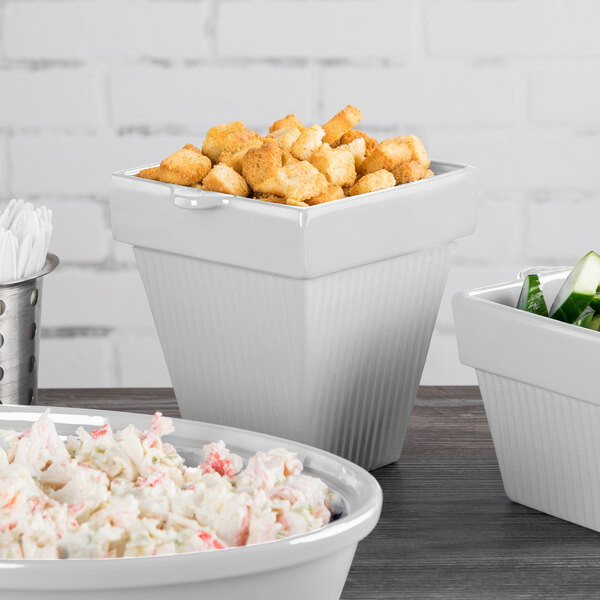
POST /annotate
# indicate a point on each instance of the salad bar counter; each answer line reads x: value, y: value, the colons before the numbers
x: 447, y: 529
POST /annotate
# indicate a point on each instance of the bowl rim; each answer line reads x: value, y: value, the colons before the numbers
x: 452, y: 170
x: 547, y: 274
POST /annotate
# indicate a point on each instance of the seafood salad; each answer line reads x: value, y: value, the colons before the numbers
x: 106, y: 494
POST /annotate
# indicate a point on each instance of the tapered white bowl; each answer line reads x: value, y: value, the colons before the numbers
x: 539, y: 381
x: 309, y: 323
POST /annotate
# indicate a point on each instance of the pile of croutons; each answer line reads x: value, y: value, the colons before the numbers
x: 296, y: 165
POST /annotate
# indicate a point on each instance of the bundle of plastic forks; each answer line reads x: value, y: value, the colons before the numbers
x: 24, y: 239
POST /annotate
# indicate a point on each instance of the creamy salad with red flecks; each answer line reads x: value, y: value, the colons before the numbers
x: 105, y: 494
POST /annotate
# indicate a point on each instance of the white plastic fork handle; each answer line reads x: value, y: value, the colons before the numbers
x: 201, y: 200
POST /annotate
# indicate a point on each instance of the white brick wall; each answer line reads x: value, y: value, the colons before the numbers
x: 315, y: 29
x: 78, y: 297
x: 52, y: 98
x: 90, y: 87
x: 565, y: 95
x: 108, y: 29
x: 512, y: 29
x: 80, y: 234
x: 424, y: 94
x: 162, y: 96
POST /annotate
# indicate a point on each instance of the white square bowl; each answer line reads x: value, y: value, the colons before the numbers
x: 307, y: 323
x: 539, y: 381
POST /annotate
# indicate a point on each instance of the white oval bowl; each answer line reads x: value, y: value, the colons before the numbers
x: 312, y: 565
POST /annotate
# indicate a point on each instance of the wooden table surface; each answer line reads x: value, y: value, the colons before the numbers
x: 447, y: 530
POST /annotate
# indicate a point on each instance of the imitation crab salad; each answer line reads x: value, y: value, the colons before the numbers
x: 106, y: 494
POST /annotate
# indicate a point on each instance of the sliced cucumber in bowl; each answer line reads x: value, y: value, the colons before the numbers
x: 595, y: 303
x: 532, y: 298
x: 585, y: 320
x: 578, y: 290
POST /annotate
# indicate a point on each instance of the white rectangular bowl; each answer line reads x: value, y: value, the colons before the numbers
x: 309, y: 323
x: 311, y: 566
x: 539, y: 381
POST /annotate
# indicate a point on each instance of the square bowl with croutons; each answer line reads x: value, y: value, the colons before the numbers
x: 295, y: 279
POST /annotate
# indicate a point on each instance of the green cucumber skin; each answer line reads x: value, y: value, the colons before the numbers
x: 589, y: 321
x: 595, y: 303
x: 570, y: 302
x: 585, y: 321
x: 532, y: 298
x: 575, y: 304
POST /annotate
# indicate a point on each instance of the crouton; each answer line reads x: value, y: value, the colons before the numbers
x: 186, y: 167
x: 216, y: 136
x: 337, y: 164
x: 236, y: 140
x: 409, y: 171
x: 389, y: 154
x: 379, y: 180
x: 150, y: 173
x: 288, y: 121
x: 294, y: 202
x: 298, y: 180
x: 262, y: 162
x: 270, y: 198
x: 358, y: 149
x: 285, y: 137
x: 337, y: 126
x: 235, y: 150
x: 224, y: 179
x: 287, y: 158
x: 308, y: 141
x: 417, y: 149
x: 332, y: 192
x: 353, y: 134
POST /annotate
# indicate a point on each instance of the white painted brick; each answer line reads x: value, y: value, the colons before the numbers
x: 481, y: 95
x: 80, y: 233
x: 82, y: 298
x: 523, y: 161
x: 499, y: 232
x: 82, y: 164
x: 315, y: 29
x: 443, y: 366
x: 76, y: 362
x: 498, y: 28
x: 81, y: 30
x: 4, y: 180
x: 141, y: 361
x: 463, y: 278
x: 49, y: 98
x: 562, y: 230
x: 566, y: 95
x: 206, y: 96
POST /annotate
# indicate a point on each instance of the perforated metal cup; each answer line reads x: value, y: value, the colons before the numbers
x: 20, y: 315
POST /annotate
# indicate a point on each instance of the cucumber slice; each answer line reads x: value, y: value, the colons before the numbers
x: 585, y: 320
x: 595, y: 303
x: 578, y: 290
x: 531, y: 298
x: 589, y: 320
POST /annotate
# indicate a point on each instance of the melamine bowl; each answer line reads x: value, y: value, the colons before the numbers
x: 312, y: 565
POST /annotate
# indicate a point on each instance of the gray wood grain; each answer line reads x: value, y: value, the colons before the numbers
x: 447, y: 530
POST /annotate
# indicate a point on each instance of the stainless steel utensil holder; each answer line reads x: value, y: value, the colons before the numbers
x: 20, y: 316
